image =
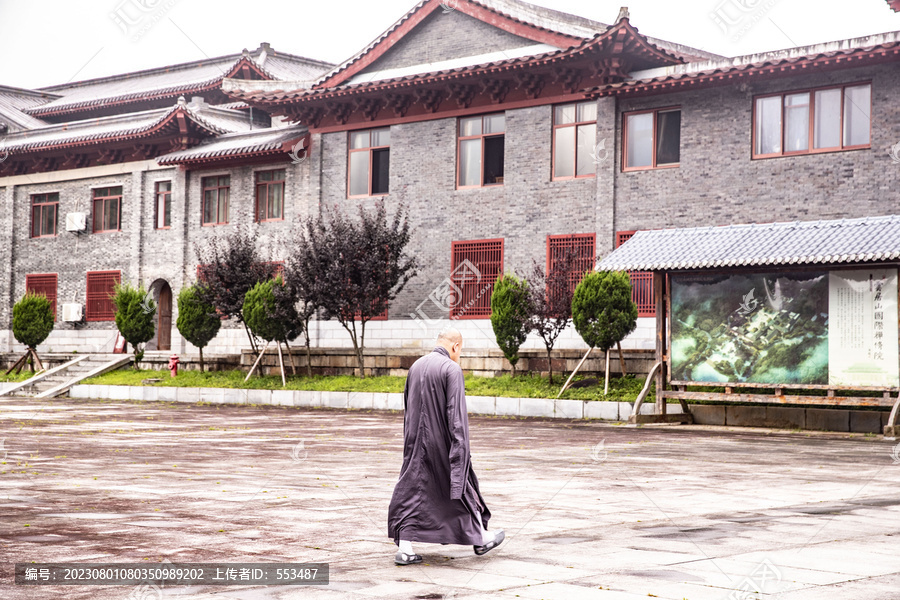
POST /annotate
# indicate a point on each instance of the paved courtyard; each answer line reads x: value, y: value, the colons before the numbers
x: 591, y: 509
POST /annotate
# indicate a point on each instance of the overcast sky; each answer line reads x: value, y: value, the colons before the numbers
x: 46, y: 42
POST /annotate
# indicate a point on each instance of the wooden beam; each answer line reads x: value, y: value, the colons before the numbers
x: 659, y: 297
x: 771, y: 399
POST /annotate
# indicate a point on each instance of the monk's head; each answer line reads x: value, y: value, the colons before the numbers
x: 451, y: 340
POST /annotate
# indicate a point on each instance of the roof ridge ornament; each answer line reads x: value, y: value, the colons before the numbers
x: 623, y: 14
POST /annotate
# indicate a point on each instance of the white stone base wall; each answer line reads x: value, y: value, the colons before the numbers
x: 397, y: 333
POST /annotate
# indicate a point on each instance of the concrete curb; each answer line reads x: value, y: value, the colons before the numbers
x: 478, y: 405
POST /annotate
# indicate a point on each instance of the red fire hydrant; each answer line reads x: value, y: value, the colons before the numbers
x: 173, y: 364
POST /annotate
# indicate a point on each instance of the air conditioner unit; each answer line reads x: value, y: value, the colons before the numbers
x: 76, y: 221
x: 72, y: 313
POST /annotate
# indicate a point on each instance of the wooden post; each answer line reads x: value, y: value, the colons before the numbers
x: 17, y: 364
x: 606, y: 375
x: 659, y: 296
x: 281, y: 364
x: 578, y: 366
x: 258, y: 358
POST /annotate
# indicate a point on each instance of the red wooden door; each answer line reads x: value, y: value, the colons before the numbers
x: 164, y: 313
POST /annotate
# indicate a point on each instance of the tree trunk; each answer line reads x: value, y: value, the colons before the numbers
x: 356, y: 349
x: 253, y: 345
x: 201, y: 360
x: 308, y: 357
x: 550, y: 365
x: 621, y: 359
x: 291, y: 356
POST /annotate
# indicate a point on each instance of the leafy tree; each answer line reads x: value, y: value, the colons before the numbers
x: 352, y: 268
x: 270, y: 313
x: 197, y: 318
x: 550, y: 302
x: 509, y: 315
x: 135, y: 312
x: 32, y: 322
x: 230, y: 265
x: 602, y: 310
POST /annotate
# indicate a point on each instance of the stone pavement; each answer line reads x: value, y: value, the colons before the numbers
x: 591, y: 510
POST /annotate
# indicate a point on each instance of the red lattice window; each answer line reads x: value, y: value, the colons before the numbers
x: 582, y: 244
x: 476, y: 265
x: 100, y: 288
x: 43, y: 284
x: 641, y: 283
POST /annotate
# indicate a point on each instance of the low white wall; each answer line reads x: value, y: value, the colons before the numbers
x: 482, y: 405
x: 396, y: 333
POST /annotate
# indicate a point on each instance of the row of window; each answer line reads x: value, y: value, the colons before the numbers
x: 467, y: 292
x: 476, y: 264
x: 817, y: 120
x: 107, y: 204
x: 99, y: 289
x: 480, y: 148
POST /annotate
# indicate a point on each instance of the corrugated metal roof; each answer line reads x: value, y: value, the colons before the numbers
x: 259, y: 140
x: 799, y: 243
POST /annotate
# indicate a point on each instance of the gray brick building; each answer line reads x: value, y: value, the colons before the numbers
x: 508, y: 130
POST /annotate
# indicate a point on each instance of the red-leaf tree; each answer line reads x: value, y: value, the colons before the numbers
x: 550, y: 301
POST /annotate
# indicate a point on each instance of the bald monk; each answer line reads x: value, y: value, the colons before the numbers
x: 437, y: 499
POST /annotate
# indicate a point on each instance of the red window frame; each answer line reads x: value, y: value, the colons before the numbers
x: 810, y: 149
x: 39, y: 204
x: 575, y: 125
x: 653, y: 164
x: 100, y: 286
x: 215, y: 183
x: 104, y: 200
x: 473, y: 291
x: 370, y: 149
x: 641, y: 283
x: 164, y: 201
x: 584, y: 245
x: 263, y: 187
x: 460, y: 138
x: 43, y: 283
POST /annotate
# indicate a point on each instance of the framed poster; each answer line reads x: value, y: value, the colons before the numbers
x: 862, y: 338
x: 817, y: 328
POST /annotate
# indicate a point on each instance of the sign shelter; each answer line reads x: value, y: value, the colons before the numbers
x: 802, y: 313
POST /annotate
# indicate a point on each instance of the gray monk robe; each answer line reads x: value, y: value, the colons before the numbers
x: 437, y: 498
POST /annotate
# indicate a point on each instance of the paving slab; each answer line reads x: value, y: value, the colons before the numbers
x: 591, y: 509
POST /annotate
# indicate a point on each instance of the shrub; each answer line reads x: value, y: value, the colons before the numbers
x: 509, y: 315
x: 197, y: 318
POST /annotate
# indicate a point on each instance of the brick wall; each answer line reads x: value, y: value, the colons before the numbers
x: 717, y: 183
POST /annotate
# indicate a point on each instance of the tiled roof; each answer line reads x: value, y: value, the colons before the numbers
x: 676, y: 75
x: 213, y: 119
x: 575, y: 27
x: 13, y: 101
x: 267, y: 94
x: 799, y: 243
x: 257, y: 141
x: 181, y: 79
